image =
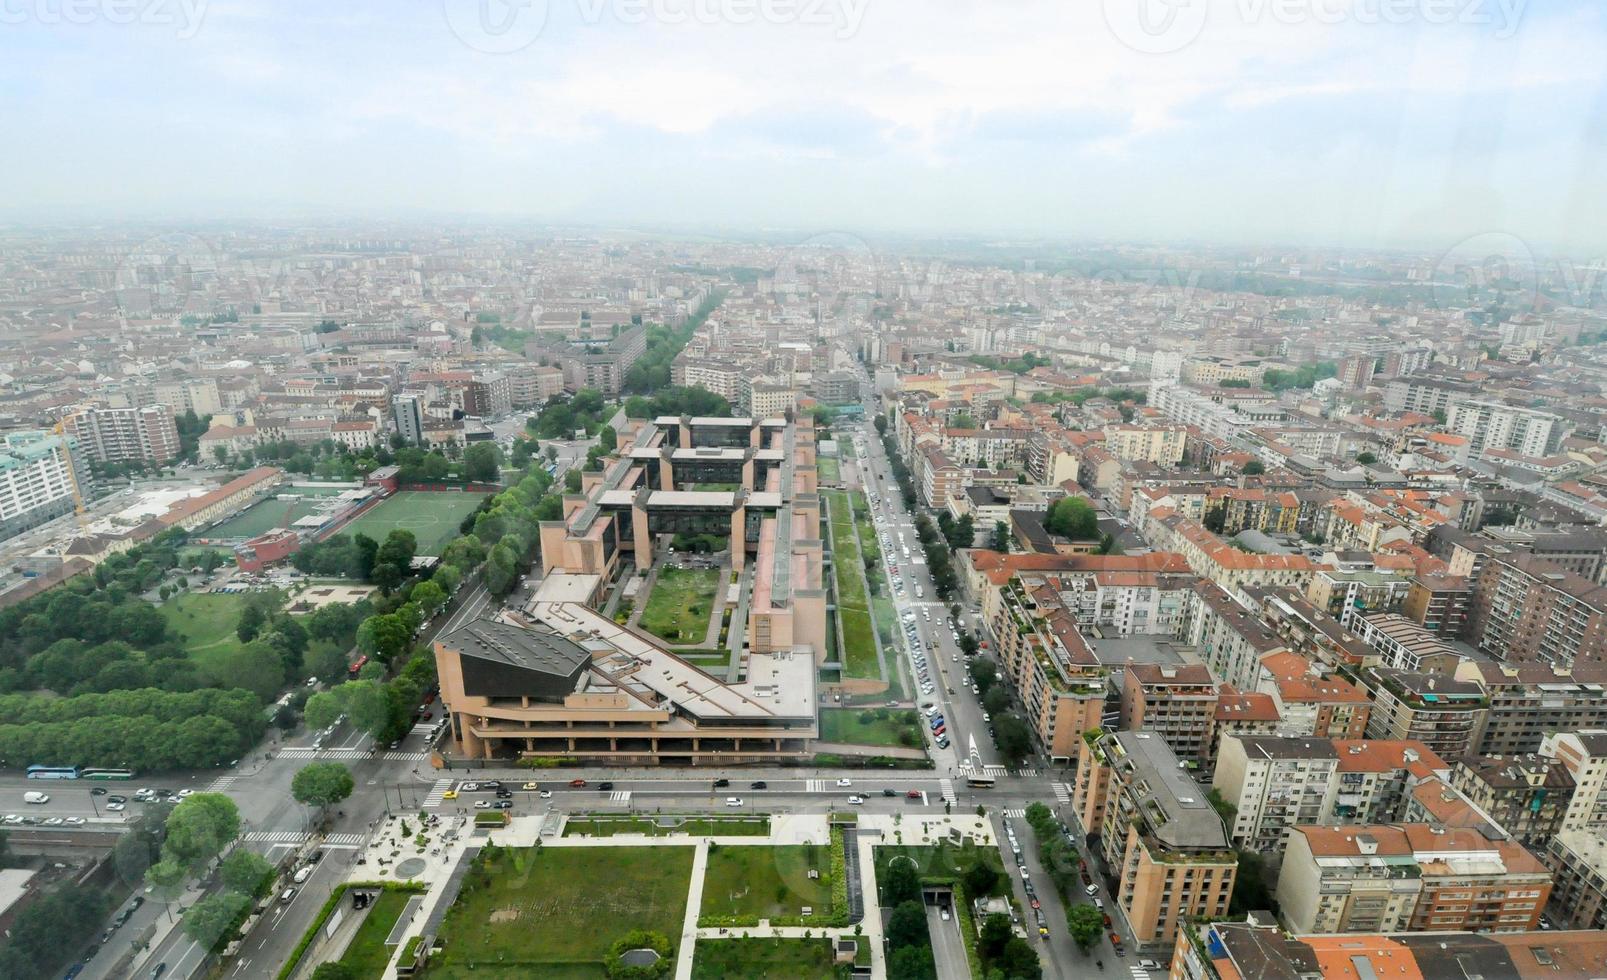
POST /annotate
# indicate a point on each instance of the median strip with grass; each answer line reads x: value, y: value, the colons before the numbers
x: 678, y: 608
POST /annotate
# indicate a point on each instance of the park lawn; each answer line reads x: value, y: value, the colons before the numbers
x: 767, y: 882
x: 883, y: 727
x: 859, y: 645
x: 693, y: 826
x: 829, y: 472
x: 554, y: 911
x: 205, y: 622
x: 367, y: 956
x: 771, y: 959
x: 432, y: 516
x: 679, y: 606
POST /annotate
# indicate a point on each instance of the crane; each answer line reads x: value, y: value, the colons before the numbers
x: 72, y: 468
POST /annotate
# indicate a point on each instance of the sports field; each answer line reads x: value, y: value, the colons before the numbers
x: 432, y: 516
x: 262, y: 517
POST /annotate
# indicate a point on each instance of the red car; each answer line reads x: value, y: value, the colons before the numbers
x: 1035, y: 901
x: 914, y: 794
x: 577, y: 783
x: 1107, y: 920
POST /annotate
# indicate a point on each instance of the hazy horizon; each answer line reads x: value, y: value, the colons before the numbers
x: 1340, y: 124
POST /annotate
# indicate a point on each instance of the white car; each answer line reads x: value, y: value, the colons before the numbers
x: 546, y: 794
x: 482, y: 804
x: 54, y: 821
x: 857, y: 800
x: 115, y: 807
x: 733, y: 801
x: 845, y: 781
x: 76, y: 821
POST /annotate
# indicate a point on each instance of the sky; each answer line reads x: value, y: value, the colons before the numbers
x: 1418, y: 123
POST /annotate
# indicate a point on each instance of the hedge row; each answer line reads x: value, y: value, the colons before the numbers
x: 329, y: 909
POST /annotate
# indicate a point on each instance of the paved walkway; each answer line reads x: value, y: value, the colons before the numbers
x: 694, y: 907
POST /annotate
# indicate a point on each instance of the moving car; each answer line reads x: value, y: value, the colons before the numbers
x: 758, y: 784
x: 845, y: 781
x: 1092, y: 889
x: 733, y: 801
x: 857, y: 800
x: 577, y: 783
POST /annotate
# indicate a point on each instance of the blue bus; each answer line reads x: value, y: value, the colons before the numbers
x: 52, y: 772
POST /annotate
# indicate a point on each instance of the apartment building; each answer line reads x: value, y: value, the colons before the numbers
x: 1162, y: 445
x: 1439, y: 603
x: 408, y: 412
x: 1212, y: 558
x: 1234, y: 509
x: 1274, y: 782
x: 1175, y: 702
x: 1493, y: 425
x: 1207, y: 371
x: 1584, y: 754
x: 937, y: 477
x: 1408, y: 877
x: 1044, y: 656
x: 1312, y: 700
x: 42, y: 477
x: 1529, y: 700
x: 1425, y: 396
x: 1226, y: 635
x: 1442, y: 712
x: 531, y: 385
x: 1526, y: 609
x: 125, y: 435
x: 1161, y: 839
x: 1376, y: 778
x: 1402, y: 644
x: 1526, y: 795
x: 1578, y: 860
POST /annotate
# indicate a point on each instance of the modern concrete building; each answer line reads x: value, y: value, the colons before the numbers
x: 1585, y: 756
x: 1228, y: 637
x: 1527, y: 795
x: 408, y: 411
x: 1161, y: 839
x: 1529, y: 700
x: 1492, y: 425
x: 561, y: 680
x: 1044, y: 656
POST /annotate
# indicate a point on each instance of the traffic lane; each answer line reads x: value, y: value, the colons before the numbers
x: 285, y: 924
x: 948, y: 949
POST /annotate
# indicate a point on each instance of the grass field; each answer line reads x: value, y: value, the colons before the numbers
x: 853, y: 608
x: 678, y: 608
x: 944, y: 862
x: 367, y: 955
x: 829, y: 471
x: 769, y: 959
x: 767, y: 882
x: 433, y: 517
x: 262, y: 517
x: 206, y: 621
x: 695, y: 826
x: 553, y: 912
x: 883, y: 727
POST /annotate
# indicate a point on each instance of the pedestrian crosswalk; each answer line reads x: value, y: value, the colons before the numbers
x: 1027, y: 773
x: 297, y: 751
x: 422, y: 728
x: 620, y: 796
x: 1016, y: 813
x: 406, y: 756
x: 996, y: 770
x: 946, y: 787
x: 308, y: 752
x: 434, y: 796
x: 222, y: 783
x: 1062, y: 792
x: 344, y: 840
x: 275, y: 836
x: 1139, y: 973
x: 817, y: 786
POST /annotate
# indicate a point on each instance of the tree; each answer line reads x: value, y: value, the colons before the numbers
x: 1073, y: 517
x: 257, y: 667
x: 984, y: 673
x: 996, y: 700
x: 980, y: 879
x: 245, y: 871
x: 321, y: 784
x: 1250, y: 891
x: 607, y: 439
x: 907, y: 925
x: 996, y: 933
x: 1040, y: 818
x: 1000, y: 539
x: 482, y: 463
x: 399, y: 549
x: 323, y: 709
x: 1019, y: 960
x: 211, y: 917
x: 1085, y: 924
x: 911, y: 963
x: 902, y: 883
x: 1366, y: 458
x: 1013, y: 736
x: 251, y: 620
x: 429, y: 598
x: 1253, y: 468
x: 198, y: 829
